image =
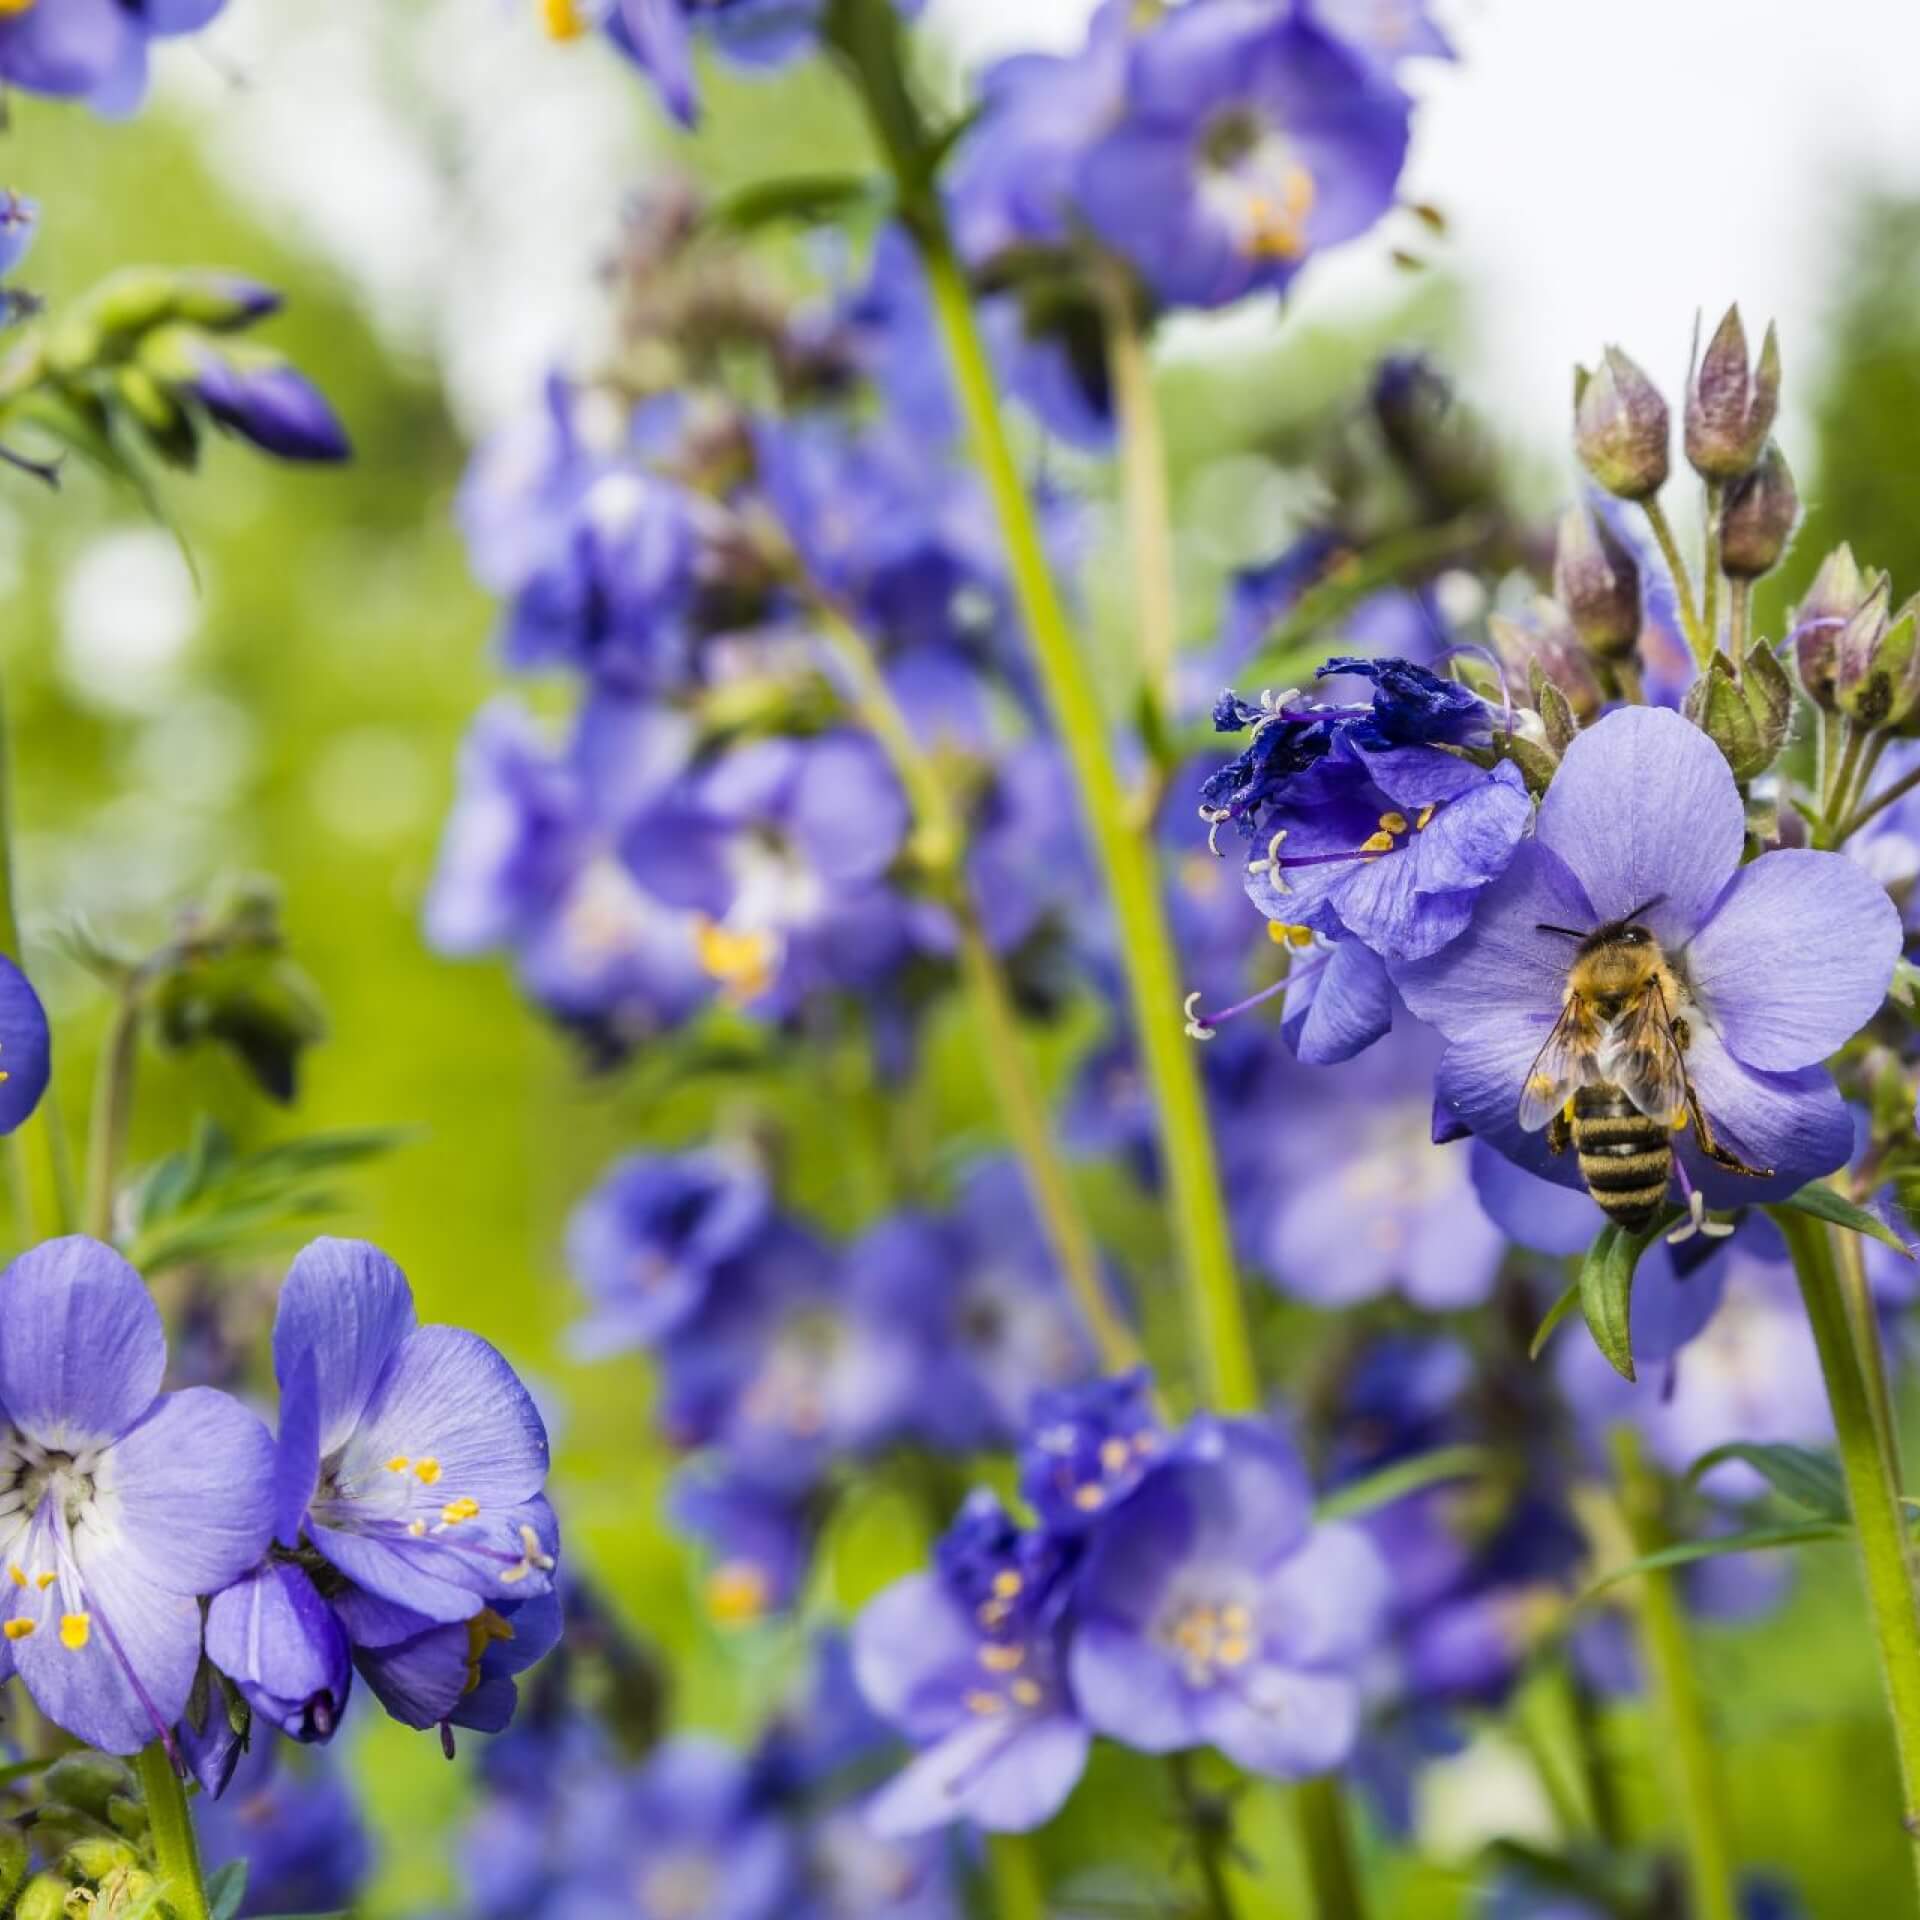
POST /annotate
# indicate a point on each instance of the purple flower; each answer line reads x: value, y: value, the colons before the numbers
x: 966, y: 1663
x: 26, y: 1047
x: 411, y: 1457
x: 265, y: 400
x: 122, y: 1506
x: 1775, y: 964
x: 274, y: 1637
x: 1211, y: 1610
x: 1088, y: 1447
x: 94, y: 50
x: 759, y: 1539
x: 652, y: 1240
x: 1249, y: 140
x: 1384, y: 31
x: 291, y: 1818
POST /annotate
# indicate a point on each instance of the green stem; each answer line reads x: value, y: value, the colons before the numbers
x: 1678, y: 1708
x: 1143, y: 485
x: 112, y: 1111
x: 1662, y: 528
x: 1327, y: 1840
x: 1596, y: 1761
x: 939, y: 842
x: 1013, y: 1873
x: 1897, y: 790
x: 1206, y: 1822
x: 1739, y: 621
x: 1863, y: 1322
x: 1125, y: 852
x: 1710, y: 572
x: 1871, y: 1493
x: 1832, y: 804
x: 42, y: 1177
x: 176, y: 1854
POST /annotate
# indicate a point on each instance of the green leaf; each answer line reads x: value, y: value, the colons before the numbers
x: 1797, y: 1533
x: 1824, y: 1204
x: 226, y: 1888
x: 807, y: 200
x: 1809, y: 1479
x: 1393, y: 1483
x: 1606, y: 1289
x: 1555, y: 1314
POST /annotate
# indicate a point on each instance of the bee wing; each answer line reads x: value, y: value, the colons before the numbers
x: 1642, y: 1058
x: 1568, y: 1061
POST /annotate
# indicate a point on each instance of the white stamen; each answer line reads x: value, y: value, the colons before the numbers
x: 1196, y: 1028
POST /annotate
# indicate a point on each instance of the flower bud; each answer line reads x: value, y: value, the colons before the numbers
x: 1839, y: 589
x: 1621, y: 427
x: 91, y: 1859
x: 163, y: 421
x: 1758, y: 518
x: 15, y: 1858
x: 249, y: 391
x: 1543, y: 641
x: 1597, y: 580
x: 86, y: 1781
x: 44, y: 1897
x: 1877, y: 663
x: 1729, y: 409
x: 222, y: 301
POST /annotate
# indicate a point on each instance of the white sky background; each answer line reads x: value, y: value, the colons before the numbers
x: 1608, y: 165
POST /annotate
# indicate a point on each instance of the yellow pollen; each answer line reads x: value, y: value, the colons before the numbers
x: 457, y: 1510
x: 1236, y: 1620
x: 483, y: 1630
x: 561, y: 18
x: 399, y: 1463
x: 17, y: 1629
x: 1283, y: 935
x: 1090, y: 1498
x: 1393, y: 822
x: 43, y: 1581
x: 76, y: 1629
x: 992, y: 1615
x: 1026, y: 1693
x: 1566, y: 1112
x: 1541, y: 1085
x: 738, y: 1593
x: 986, y: 1705
x: 4, y: 1074
x: 1279, y: 232
x: 1234, y: 1652
x: 15, y: 6
x: 1679, y: 1120
x: 1115, y: 1454
x: 997, y: 1657
x: 1426, y: 814
x: 1006, y: 1583
x: 417, y: 1529
x: 741, y: 962
x: 1377, y: 843
x: 426, y: 1470
x: 18, y: 1578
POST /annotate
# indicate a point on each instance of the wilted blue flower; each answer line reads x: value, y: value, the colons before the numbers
x: 94, y: 50
x: 290, y: 1816
x: 1249, y: 140
x: 1210, y: 1610
x: 121, y: 1505
x: 1775, y: 964
x: 650, y: 1242
x: 966, y: 1663
x: 411, y: 1457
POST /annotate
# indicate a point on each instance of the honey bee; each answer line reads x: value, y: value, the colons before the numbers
x: 1611, y: 1079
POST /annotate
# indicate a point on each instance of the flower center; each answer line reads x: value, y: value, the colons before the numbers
x: 1207, y: 1637
x: 683, y: 1886
x: 1253, y: 180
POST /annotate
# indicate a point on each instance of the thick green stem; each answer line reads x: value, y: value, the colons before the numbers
x: 1697, y: 641
x: 1206, y: 1822
x: 1863, y: 1322
x: 112, y: 1112
x: 176, y: 1854
x: 939, y: 843
x: 1125, y: 852
x: 1833, y: 804
x: 42, y: 1177
x: 1739, y: 621
x: 1143, y: 485
x: 1678, y: 1709
x: 1326, y: 1837
x: 1873, y: 1495
x: 1013, y: 1874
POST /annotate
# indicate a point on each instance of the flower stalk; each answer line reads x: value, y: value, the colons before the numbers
x: 1206, y: 1823
x: 112, y: 1110
x: 1872, y: 1493
x: 1326, y: 1838
x: 1698, y: 640
x: 176, y: 1852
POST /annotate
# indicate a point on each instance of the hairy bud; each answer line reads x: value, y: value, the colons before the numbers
x: 1758, y: 519
x: 1838, y: 591
x: 1597, y: 580
x: 88, y: 1781
x: 1876, y: 680
x: 1544, y: 643
x: 1729, y: 408
x: 1747, y: 715
x: 44, y: 1897
x: 1621, y: 427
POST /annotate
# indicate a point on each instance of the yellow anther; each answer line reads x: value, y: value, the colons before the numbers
x: 1679, y: 1120
x: 1377, y: 843
x: 399, y: 1463
x: 1115, y: 1454
x: 417, y: 1529
x: 1234, y: 1652
x: 1006, y: 1583
x: 1236, y: 1619
x: 76, y: 1629
x: 426, y: 1470
x: 16, y: 6
x: 1091, y: 1497
x: 1425, y: 814
x: 562, y: 19
x: 18, y: 1578
x: 17, y: 1629
x: 4, y: 1074
x: 483, y: 1630
x: 465, y: 1508
x: 998, y: 1657
x: 1278, y: 232
x: 738, y: 1593
x: 985, y: 1704
x: 1026, y: 1693
x: 1283, y: 935
x: 43, y: 1581
x: 741, y: 962
x: 1393, y: 823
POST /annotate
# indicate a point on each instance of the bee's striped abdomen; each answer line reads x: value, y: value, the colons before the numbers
x: 1626, y: 1159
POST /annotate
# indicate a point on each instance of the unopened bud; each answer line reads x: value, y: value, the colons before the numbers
x: 128, y: 1816
x: 87, y: 1781
x: 1597, y: 580
x: 1621, y: 427
x: 1758, y: 518
x: 92, y: 1859
x: 1543, y: 641
x: 1741, y: 715
x: 44, y: 1897
x: 222, y: 301
x: 164, y: 422
x: 1729, y: 408
x: 1877, y: 667
x: 15, y: 1858
x: 1838, y: 591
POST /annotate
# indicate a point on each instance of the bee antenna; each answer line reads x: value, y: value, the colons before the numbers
x: 1566, y: 933
x: 1646, y: 906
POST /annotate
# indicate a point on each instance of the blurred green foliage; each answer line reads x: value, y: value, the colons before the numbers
x: 338, y: 649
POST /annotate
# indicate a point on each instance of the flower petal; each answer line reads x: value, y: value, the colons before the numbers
x: 1325, y: 1603
x: 406, y: 1573
x: 296, y: 1454
x: 190, y: 1491
x: 1794, y: 1123
x: 907, y: 1643
x: 26, y: 1047
x: 349, y: 1306
x: 1285, y: 1724
x: 81, y: 1346
x: 1796, y: 958
x: 1644, y: 809
x: 1338, y: 1006
x: 1534, y: 1212
x: 1131, y: 1688
x: 1008, y: 1776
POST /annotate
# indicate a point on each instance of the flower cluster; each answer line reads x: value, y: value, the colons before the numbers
x: 92, y: 50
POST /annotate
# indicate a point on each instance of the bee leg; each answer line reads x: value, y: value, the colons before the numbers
x: 1710, y: 1145
x: 1682, y: 1033
x: 1559, y: 1134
